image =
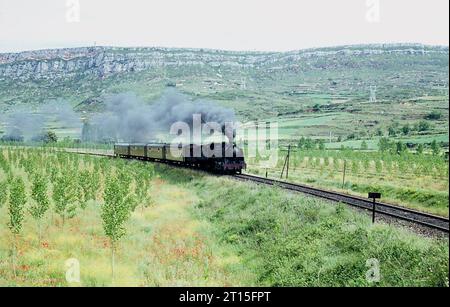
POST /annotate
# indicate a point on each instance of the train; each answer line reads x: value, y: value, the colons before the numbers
x: 224, y: 158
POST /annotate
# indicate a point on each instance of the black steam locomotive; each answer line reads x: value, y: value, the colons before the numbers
x: 221, y: 158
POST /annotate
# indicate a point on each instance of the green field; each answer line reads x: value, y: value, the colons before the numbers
x: 408, y: 179
x: 185, y: 228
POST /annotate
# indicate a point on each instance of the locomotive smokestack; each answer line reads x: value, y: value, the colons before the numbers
x: 229, y: 131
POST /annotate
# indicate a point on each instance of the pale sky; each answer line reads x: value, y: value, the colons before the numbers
x: 264, y: 25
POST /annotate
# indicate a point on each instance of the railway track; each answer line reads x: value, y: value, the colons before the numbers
x: 392, y: 211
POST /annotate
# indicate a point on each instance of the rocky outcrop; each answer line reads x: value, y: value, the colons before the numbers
x: 106, y: 61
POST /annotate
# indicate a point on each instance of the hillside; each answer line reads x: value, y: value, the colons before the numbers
x: 410, y: 81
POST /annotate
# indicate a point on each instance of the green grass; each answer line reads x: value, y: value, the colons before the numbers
x: 202, y: 230
x: 292, y: 240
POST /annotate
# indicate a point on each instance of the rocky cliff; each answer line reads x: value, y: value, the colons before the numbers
x: 106, y: 61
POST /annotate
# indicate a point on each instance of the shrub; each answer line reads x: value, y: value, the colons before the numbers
x: 423, y: 126
x: 433, y: 115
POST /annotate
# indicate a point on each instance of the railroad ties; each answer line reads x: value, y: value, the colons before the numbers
x: 393, y: 211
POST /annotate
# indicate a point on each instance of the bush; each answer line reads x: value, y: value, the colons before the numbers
x: 434, y: 115
x: 47, y: 137
x: 423, y: 126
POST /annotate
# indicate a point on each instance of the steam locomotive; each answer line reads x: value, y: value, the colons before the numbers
x: 224, y: 158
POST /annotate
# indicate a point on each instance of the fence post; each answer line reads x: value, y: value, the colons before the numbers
x: 373, y: 211
x: 374, y: 197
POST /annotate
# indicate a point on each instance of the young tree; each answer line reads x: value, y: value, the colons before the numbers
x: 115, y: 212
x: 309, y: 144
x: 50, y: 137
x: 420, y: 149
x: 355, y: 167
x: 400, y: 147
x: 17, y: 201
x: 65, y: 196
x: 41, y: 201
x: 384, y: 144
x: 301, y: 142
x: 406, y: 129
x: 85, y: 183
x: 423, y: 126
x: 3, y: 192
x: 53, y: 174
x: 142, y: 197
x: 364, y: 145
x: 321, y: 144
x: 378, y: 166
x: 392, y: 132
x: 435, y: 148
x: 379, y: 132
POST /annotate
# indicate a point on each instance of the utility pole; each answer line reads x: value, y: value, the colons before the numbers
x: 286, y: 163
x: 343, y: 176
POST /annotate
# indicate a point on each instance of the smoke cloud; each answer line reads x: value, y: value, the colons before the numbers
x: 129, y: 119
x: 126, y: 118
x: 27, y: 124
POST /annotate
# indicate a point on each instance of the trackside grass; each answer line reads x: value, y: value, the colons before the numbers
x: 292, y: 240
x: 188, y: 228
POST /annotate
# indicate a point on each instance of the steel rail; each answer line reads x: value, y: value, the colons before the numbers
x: 398, y: 212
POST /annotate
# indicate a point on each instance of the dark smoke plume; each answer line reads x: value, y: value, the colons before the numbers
x: 129, y: 119
x: 126, y: 119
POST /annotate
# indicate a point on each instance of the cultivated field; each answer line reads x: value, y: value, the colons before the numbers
x: 165, y: 226
x: 419, y: 181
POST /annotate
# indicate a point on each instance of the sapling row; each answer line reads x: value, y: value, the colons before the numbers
x: 38, y: 183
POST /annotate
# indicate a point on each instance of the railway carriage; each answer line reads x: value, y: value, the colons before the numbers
x: 122, y: 150
x: 138, y: 151
x: 174, y: 157
x: 230, y: 159
x: 156, y: 152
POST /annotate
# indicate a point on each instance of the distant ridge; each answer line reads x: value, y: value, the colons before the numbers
x: 106, y: 61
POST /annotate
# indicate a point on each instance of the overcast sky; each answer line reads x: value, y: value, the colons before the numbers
x: 222, y: 24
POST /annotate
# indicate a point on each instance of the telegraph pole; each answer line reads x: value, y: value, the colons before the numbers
x: 286, y: 163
